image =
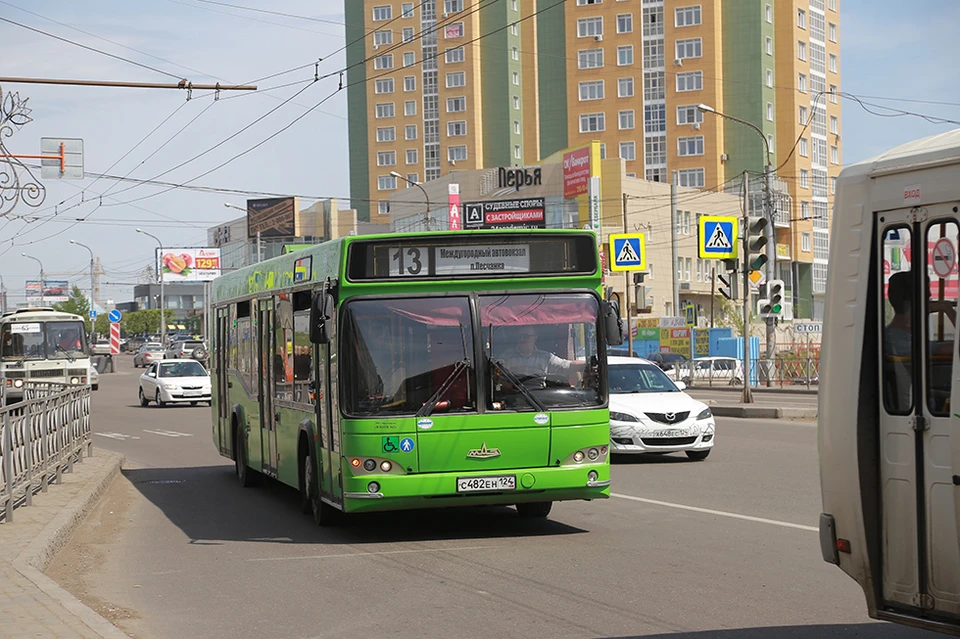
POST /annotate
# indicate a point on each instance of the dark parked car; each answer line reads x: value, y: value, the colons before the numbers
x: 666, y: 361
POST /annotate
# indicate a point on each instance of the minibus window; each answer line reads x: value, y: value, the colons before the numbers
x: 897, y: 368
x: 941, y: 313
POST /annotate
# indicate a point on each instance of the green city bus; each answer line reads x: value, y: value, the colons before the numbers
x: 400, y: 371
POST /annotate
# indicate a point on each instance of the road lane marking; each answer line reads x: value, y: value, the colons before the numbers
x: 116, y: 435
x: 167, y: 433
x: 372, y: 554
x: 719, y: 513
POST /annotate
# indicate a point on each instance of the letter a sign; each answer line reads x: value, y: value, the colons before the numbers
x: 453, y: 200
x: 718, y: 237
x: 628, y: 252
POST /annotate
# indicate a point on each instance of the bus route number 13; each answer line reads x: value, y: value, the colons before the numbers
x: 409, y: 261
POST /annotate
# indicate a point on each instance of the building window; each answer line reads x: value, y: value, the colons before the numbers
x: 768, y: 11
x: 832, y: 5
x: 833, y: 93
x: 384, y: 85
x: 833, y: 63
x: 410, y: 107
x: 410, y: 132
x: 386, y: 182
x: 516, y: 78
x: 386, y: 158
x: 689, y: 114
x: 385, y: 110
x: 690, y: 145
x: 516, y: 103
x: 381, y: 38
x: 409, y: 59
x: 589, y: 27
x: 456, y: 79
x: 691, y: 81
x: 627, y: 120
x: 383, y: 207
x: 804, y: 179
x: 803, y: 149
x: 583, y: 3
x: 590, y: 59
x: 406, y: 10
x: 688, y: 264
x: 592, y: 90
x: 652, y: 21
x: 654, y: 85
x: 801, y: 18
x: 834, y: 155
x: 625, y: 88
x: 770, y: 78
x: 412, y: 178
x: 655, y: 151
x: 804, y: 210
x: 654, y: 118
x: 517, y: 153
x: 834, y: 125
x: 833, y: 185
x: 691, y: 48
x: 457, y: 128
x: 592, y: 122
x: 653, y: 54
x: 801, y: 83
x: 457, y: 153
x: 514, y: 6
x: 770, y: 111
x: 693, y: 178
x: 603, y: 151
x: 407, y: 34
x: 452, y: 56
x: 625, y: 55
x: 386, y: 134
x: 409, y: 83
x: 456, y: 105
x: 770, y: 141
x: 805, y: 242
x: 628, y: 150
x: 832, y: 30
x: 382, y: 13
x: 412, y: 156
x: 516, y: 127
x: 802, y: 50
x: 515, y: 29
x: 625, y: 23
x: 687, y: 16
x: 515, y: 53
x: 803, y: 115
x: 383, y: 61
x: 453, y: 6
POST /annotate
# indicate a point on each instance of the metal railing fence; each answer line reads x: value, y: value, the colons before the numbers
x: 783, y: 372
x: 41, y: 437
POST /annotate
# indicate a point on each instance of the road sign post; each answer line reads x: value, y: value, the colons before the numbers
x: 114, y: 338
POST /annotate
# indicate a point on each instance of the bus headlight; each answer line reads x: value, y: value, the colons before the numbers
x: 385, y: 466
x: 373, y: 487
x: 74, y: 380
x: 370, y: 466
x: 578, y: 456
x: 18, y: 383
x: 592, y: 454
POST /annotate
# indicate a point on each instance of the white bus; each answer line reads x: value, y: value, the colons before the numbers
x: 43, y: 345
x: 889, y: 433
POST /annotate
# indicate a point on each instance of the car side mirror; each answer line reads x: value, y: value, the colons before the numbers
x: 612, y: 323
x: 680, y: 385
x: 151, y: 374
x: 321, y: 310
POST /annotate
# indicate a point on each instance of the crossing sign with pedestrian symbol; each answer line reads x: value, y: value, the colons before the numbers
x: 628, y: 252
x: 718, y: 237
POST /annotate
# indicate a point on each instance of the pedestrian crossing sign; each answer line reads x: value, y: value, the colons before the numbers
x: 718, y: 237
x: 628, y: 252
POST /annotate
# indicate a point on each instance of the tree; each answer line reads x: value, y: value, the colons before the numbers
x: 78, y: 304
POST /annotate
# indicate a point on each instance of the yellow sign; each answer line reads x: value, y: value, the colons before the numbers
x: 783, y: 250
x: 628, y: 252
x: 718, y: 237
x: 675, y: 340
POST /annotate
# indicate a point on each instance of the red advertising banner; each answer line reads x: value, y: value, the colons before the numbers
x: 576, y: 172
x: 453, y: 201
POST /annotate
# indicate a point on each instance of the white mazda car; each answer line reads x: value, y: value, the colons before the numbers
x: 650, y: 413
x: 175, y: 380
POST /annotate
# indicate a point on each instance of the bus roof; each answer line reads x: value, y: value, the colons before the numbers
x: 37, y: 313
x: 942, y: 148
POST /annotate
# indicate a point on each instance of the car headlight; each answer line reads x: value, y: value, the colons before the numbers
x: 706, y: 414
x: 622, y: 417
x: 171, y: 387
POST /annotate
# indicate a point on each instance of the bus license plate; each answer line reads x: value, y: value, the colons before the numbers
x: 479, y: 484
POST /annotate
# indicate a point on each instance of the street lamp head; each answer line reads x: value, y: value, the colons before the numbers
x: 73, y: 241
x: 24, y: 255
x: 139, y: 230
x: 396, y: 174
x: 706, y: 108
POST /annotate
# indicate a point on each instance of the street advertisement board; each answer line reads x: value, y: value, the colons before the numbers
x: 54, y: 291
x: 525, y: 213
x: 272, y: 217
x: 576, y: 172
x: 188, y: 264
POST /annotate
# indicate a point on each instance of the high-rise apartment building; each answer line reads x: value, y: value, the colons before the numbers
x: 449, y: 84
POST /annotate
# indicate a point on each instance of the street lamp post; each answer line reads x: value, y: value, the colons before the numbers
x: 769, y: 213
x: 163, y: 319
x: 41, y: 274
x: 422, y: 190
x: 91, y: 273
x: 240, y: 208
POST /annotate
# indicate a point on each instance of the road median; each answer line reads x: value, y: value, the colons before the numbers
x: 747, y: 411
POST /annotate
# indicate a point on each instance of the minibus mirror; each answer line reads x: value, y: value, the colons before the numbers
x: 612, y: 322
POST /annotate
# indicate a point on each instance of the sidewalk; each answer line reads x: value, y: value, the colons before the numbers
x: 768, y: 403
x: 31, y: 604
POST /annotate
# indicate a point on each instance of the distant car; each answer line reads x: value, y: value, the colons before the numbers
x: 175, y: 380
x: 650, y: 413
x: 102, y: 347
x: 183, y: 349
x: 94, y: 378
x: 666, y: 361
x: 707, y: 370
x: 148, y: 354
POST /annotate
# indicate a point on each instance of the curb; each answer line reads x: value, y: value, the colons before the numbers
x: 763, y: 412
x: 38, y: 554
x: 785, y: 390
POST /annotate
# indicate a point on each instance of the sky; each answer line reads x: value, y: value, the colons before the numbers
x: 900, y: 59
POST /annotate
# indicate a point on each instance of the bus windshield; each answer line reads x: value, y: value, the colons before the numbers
x: 65, y: 340
x: 43, y: 340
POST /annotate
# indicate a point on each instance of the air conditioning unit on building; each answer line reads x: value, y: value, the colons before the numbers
x: 724, y: 157
x: 696, y: 126
x: 678, y: 62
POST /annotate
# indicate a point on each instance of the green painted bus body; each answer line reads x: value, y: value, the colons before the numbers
x: 538, y: 454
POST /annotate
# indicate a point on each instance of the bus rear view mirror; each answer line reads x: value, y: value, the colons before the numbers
x: 612, y: 322
x: 320, y: 312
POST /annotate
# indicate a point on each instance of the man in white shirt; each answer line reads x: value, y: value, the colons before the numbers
x: 526, y: 360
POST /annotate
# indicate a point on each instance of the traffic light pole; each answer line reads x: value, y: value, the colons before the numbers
x: 747, y: 392
x: 770, y: 212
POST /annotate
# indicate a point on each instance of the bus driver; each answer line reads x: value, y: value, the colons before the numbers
x: 526, y: 360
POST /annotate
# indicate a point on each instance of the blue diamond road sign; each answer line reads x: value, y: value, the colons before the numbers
x: 114, y: 316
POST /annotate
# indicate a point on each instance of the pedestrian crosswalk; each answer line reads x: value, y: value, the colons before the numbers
x: 159, y: 431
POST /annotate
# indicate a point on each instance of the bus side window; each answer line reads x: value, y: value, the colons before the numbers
x: 941, y: 313
x: 898, y: 295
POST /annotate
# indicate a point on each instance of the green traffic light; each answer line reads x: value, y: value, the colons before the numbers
x: 777, y: 308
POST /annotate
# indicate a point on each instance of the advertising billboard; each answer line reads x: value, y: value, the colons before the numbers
x: 54, y: 291
x: 272, y: 217
x: 188, y: 264
x: 526, y: 213
x: 576, y: 172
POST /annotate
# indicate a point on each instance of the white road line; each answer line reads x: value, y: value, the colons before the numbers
x: 116, y: 435
x: 372, y: 554
x: 720, y: 513
x: 168, y: 433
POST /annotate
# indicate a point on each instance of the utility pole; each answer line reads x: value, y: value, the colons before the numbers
x: 770, y: 212
x: 747, y: 393
x: 713, y: 291
x: 673, y: 243
x: 259, y: 249
x: 626, y: 286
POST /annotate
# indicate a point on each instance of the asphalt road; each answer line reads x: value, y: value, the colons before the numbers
x: 725, y: 548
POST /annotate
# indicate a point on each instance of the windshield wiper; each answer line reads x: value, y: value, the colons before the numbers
x: 431, y: 403
x: 523, y: 390
x: 67, y: 353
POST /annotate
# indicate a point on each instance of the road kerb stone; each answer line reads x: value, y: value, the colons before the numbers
x: 762, y: 412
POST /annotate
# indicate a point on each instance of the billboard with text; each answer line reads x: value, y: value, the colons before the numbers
x: 272, y: 217
x: 188, y: 264
x: 54, y: 291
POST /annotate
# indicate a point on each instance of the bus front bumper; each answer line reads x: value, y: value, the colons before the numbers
x: 390, y: 491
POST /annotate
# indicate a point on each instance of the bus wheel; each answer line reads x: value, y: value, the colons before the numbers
x: 244, y: 474
x: 323, y: 513
x: 698, y: 455
x: 534, y: 510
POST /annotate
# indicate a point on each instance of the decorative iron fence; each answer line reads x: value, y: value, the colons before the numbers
x: 785, y: 371
x: 41, y: 437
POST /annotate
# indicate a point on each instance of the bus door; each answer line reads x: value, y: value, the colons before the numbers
x: 268, y: 429
x: 331, y: 426
x: 221, y: 394
x: 919, y: 502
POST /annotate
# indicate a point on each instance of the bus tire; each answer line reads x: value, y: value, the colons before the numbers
x: 323, y: 513
x: 698, y: 455
x: 534, y: 509
x: 244, y: 473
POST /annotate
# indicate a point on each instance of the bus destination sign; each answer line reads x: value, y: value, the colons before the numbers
x: 454, y: 261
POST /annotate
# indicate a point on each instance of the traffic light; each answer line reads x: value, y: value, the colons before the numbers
x: 756, y: 243
x: 772, y: 304
x: 726, y: 288
x: 732, y: 264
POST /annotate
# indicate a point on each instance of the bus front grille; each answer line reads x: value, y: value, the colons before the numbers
x: 46, y: 372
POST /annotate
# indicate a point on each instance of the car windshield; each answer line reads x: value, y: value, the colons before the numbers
x: 43, y: 340
x: 639, y: 378
x: 182, y: 369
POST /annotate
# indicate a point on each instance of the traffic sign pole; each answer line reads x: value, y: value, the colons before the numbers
x: 747, y: 397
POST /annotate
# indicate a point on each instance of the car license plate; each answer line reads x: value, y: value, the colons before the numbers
x: 192, y: 393
x: 481, y: 484
x: 669, y: 433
